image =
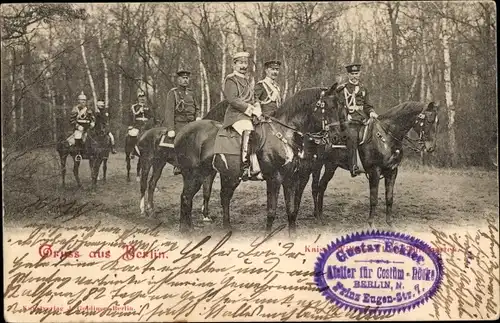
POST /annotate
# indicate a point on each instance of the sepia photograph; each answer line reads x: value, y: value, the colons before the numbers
x: 250, y: 161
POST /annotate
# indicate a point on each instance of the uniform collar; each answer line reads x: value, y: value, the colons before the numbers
x: 240, y: 75
x: 269, y: 80
x: 353, y: 83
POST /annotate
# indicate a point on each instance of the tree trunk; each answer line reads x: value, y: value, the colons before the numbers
x: 393, y: 10
x: 445, y: 37
x: 223, y: 73
x: 254, y: 56
x: 105, y: 65
x: 201, y: 67
x: 207, y: 89
x: 87, y: 67
x: 13, y: 94
x: 21, y: 103
x: 120, y: 96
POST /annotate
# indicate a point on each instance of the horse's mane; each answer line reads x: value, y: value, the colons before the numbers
x: 298, y: 102
x: 217, y: 112
x: 395, y: 112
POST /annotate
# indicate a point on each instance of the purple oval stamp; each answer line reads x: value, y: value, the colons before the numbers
x: 378, y: 272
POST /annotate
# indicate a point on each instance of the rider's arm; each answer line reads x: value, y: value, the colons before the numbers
x: 131, y: 117
x: 367, y: 107
x: 231, y: 94
x: 196, y: 108
x: 73, y: 116
x: 259, y: 94
x: 168, y: 120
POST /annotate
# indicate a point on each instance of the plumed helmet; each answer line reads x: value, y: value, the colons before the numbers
x: 82, y: 96
x: 140, y: 93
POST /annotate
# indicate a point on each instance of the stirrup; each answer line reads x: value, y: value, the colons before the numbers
x: 78, y: 157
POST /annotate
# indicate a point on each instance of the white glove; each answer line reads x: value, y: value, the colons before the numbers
x: 373, y: 115
x: 92, y: 124
x: 129, y: 127
x: 198, y: 118
x: 79, y: 128
x: 171, y: 134
x: 257, y: 111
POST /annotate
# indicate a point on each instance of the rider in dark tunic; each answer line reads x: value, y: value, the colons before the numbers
x: 140, y: 115
x: 357, y: 102
x: 103, y: 123
x: 267, y: 91
x: 180, y: 107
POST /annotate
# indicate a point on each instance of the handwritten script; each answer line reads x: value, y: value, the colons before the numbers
x: 208, y: 278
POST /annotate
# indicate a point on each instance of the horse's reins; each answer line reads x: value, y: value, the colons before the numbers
x: 412, y: 145
x: 319, y: 137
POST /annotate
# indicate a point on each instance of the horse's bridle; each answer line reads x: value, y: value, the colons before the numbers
x: 415, y: 145
x: 320, y: 137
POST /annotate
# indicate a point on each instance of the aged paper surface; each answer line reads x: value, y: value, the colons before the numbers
x: 215, y: 277
x: 75, y: 255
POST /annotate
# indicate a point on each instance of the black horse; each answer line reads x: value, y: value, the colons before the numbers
x: 96, y: 149
x: 279, y: 147
x: 152, y: 156
x: 381, y: 152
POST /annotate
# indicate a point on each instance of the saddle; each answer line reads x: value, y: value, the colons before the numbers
x: 227, y: 141
x: 166, y: 141
x: 364, y: 134
x: 71, y: 139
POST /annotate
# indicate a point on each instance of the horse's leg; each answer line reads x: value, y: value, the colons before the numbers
x: 158, y: 165
x: 323, y: 184
x: 289, y: 189
x: 138, y: 170
x: 96, y: 165
x: 390, y: 180
x: 191, y: 186
x: 301, y: 185
x: 127, y: 160
x: 104, y: 168
x: 63, y: 158
x: 374, y: 179
x: 146, y: 164
x: 76, y: 166
x: 207, y: 191
x: 227, y: 188
x: 273, y: 191
x: 315, y: 189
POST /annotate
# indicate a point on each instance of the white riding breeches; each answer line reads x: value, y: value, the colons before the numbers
x: 80, y: 134
x: 242, y: 125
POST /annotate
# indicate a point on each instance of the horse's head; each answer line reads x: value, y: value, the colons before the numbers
x: 426, y: 126
x: 327, y: 115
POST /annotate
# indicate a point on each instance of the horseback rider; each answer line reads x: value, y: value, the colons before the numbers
x: 140, y: 116
x: 82, y: 118
x: 180, y: 108
x: 359, y: 108
x: 102, y: 121
x: 267, y: 91
x: 239, y: 92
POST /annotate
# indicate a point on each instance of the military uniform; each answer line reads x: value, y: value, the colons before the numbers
x: 268, y: 92
x: 103, y: 123
x: 356, y: 100
x: 239, y: 92
x: 140, y: 116
x: 180, y: 109
x: 82, y: 119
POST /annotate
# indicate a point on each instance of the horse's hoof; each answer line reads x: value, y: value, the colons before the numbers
x: 207, y: 219
x: 137, y: 179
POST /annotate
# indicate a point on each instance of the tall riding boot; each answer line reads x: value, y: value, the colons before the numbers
x: 245, y: 161
x: 79, y: 149
x: 353, y: 149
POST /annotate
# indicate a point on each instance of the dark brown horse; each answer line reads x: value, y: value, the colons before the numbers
x: 381, y: 153
x: 278, y: 144
x: 154, y: 157
x: 96, y: 149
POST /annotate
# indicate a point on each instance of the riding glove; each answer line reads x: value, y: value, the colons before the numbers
x: 171, y: 134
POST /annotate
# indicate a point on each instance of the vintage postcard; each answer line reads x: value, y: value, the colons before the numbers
x: 264, y: 161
